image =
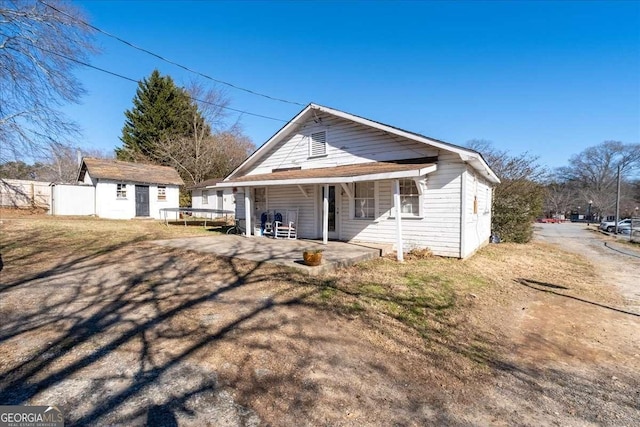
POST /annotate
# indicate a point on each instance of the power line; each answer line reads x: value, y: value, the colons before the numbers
x: 168, y: 60
x: 136, y: 81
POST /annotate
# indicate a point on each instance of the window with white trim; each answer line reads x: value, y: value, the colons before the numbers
x: 121, y: 191
x: 409, y: 198
x: 205, y: 197
x: 260, y: 200
x: 318, y: 144
x: 162, y: 193
x: 364, y: 200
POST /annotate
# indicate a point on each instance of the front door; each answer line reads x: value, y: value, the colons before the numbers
x: 334, y: 219
x: 142, y: 200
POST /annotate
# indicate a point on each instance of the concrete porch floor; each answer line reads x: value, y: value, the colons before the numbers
x: 281, y: 251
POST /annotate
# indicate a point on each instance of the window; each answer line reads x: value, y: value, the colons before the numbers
x: 409, y: 198
x: 318, y: 144
x: 162, y: 193
x: 260, y: 199
x: 219, y: 199
x: 364, y: 200
x: 205, y: 197
x: 121, y: 191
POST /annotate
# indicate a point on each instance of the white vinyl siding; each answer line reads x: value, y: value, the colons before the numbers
x: 109, y: 205
x: 439, y: 226
x: 281, y: 198
x: 348, y: 143
x: 477, y: 224
x: 318, y: 144
x: 227, y: 202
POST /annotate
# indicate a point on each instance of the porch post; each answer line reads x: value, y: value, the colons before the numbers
x: 396, y: 204
x: 325, y: 215
x: 247, y: 210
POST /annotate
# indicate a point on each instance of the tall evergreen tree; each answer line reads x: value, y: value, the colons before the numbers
x: 161, y: 112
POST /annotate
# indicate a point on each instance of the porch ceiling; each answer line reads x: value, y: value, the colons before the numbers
x: 339, y: 174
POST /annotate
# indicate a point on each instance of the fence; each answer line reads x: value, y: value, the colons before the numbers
x: 69, y: 199
x: 19, y: 193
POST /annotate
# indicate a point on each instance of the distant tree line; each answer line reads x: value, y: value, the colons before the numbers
x: 60, y: 164
x: 528, y: 190
x: 592, y: 176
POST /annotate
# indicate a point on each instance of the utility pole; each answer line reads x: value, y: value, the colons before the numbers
x: 618, y: 201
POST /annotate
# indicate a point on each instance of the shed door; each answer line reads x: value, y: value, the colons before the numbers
x: 142, y: 200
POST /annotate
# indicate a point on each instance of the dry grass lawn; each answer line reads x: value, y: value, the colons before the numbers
x: 116, y: 330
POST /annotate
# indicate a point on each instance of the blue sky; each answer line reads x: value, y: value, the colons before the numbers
x: 550, y: 78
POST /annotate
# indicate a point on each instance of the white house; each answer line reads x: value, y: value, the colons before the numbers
x: 205, y: 195
x: 125, y: 190
x: 354, y: 179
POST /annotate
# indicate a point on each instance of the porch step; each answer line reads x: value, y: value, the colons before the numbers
x: 384, y: 248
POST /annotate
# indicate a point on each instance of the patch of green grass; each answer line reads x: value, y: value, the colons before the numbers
x: 373, y: 289
x: 327, y: 293
x: 356, y: 307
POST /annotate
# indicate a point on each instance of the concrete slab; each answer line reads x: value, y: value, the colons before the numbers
x: 280, y: 251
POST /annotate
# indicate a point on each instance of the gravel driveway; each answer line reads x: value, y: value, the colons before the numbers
x: 617, y: 262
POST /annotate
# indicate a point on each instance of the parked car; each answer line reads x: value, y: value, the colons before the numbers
x: 609, y: 226
x: 626, y: 228
x: 549, y: 220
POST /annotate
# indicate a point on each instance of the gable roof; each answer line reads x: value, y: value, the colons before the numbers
x: 468, y: 155
x: 130, y: 172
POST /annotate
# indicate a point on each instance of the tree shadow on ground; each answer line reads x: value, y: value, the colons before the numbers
x: 133, y: 333
x: 543, y: 287
x: 123, y: 334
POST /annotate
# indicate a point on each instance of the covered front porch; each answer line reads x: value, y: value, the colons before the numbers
x: 283, y: 252
x: 331, y: 202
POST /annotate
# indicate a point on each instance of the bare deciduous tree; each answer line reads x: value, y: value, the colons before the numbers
x: 518, y: 199
x: 212, y: 150
x: 39, y: 44
x: 594, y: 172
x: 60, y: 165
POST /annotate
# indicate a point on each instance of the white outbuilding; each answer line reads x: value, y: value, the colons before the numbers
x: 125, y: 190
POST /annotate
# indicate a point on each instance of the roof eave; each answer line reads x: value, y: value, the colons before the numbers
x: 467, y: 155
x: 413, y: 173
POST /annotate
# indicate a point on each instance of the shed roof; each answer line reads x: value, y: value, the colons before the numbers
x: 206, y: 183
x: 118, y: 170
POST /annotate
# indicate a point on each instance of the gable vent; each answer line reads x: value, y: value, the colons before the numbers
x: 318, y: 144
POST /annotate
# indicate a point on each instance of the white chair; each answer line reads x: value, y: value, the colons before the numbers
x: 287, y: 228
x: 266, y: 223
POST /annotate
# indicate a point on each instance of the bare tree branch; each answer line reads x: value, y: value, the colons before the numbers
x: 34, y: 83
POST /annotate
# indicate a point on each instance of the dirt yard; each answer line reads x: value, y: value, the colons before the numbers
x: 115, y: 330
